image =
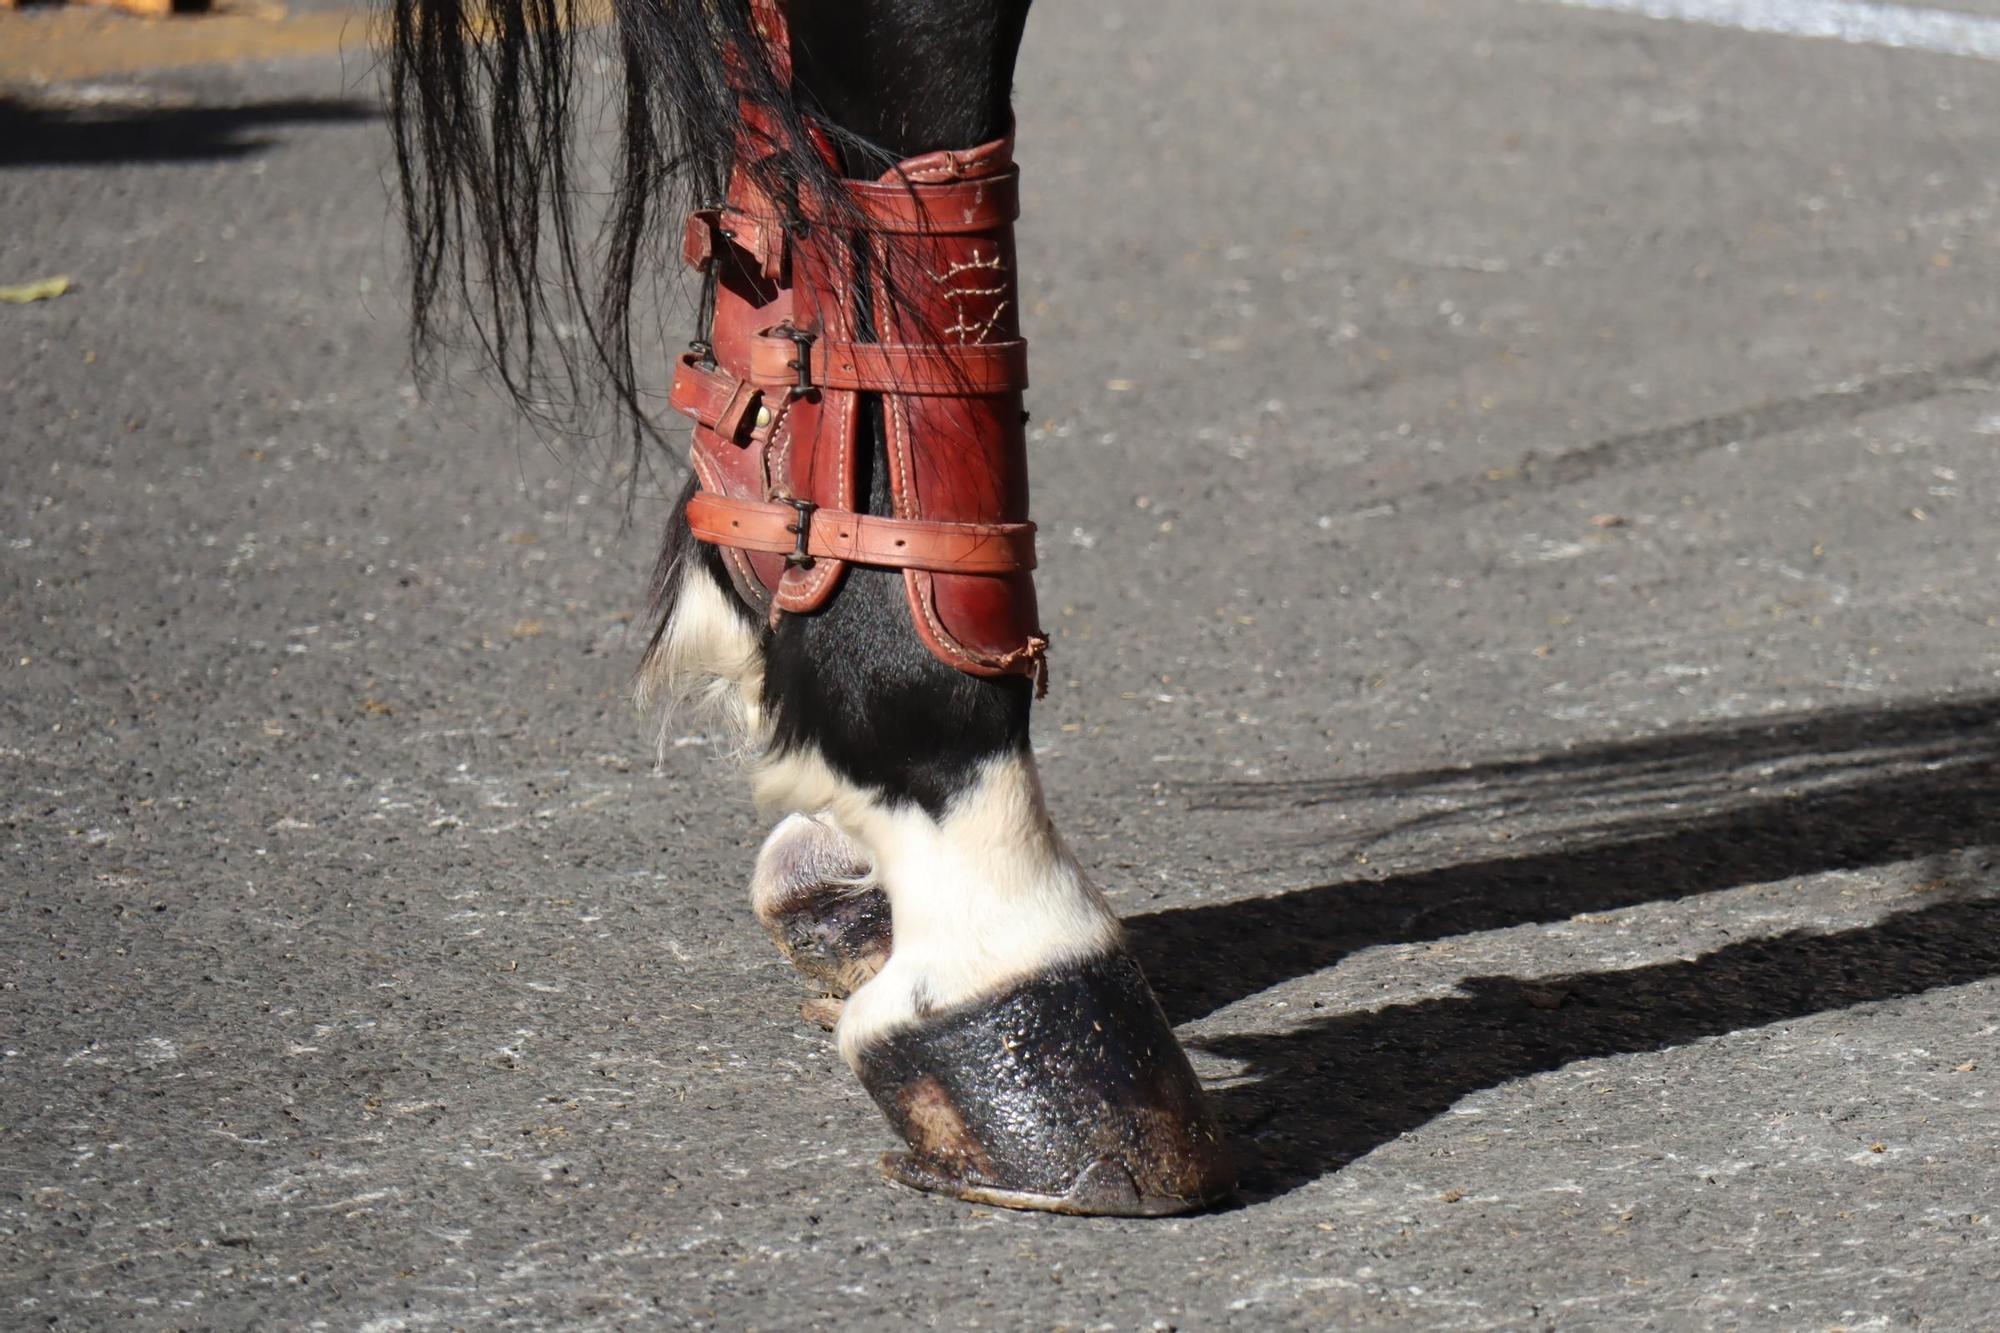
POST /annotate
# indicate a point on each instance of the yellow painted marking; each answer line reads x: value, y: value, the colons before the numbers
x: 57, y: 44
x: 60, y: 43
x: 46, y: 289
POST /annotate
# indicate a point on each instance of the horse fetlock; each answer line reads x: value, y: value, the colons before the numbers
x: 982, y: 896
x: 814, y: 892
x: 1065, y: 1093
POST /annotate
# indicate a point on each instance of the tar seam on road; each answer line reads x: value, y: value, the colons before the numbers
x: 1661, y: 444
x: 1904, y: 27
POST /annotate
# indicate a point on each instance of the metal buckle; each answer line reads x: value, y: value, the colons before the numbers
x: 802, y: 363
x: 800, y: 558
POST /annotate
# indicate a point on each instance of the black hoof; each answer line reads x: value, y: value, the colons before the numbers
x: 1067, y: 1094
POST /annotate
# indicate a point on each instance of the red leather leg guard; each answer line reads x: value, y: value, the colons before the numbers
x: 775, y: 391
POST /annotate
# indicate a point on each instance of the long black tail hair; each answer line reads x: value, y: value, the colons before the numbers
x: 513, y: 237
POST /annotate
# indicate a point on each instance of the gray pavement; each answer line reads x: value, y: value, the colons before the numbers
x: 1519, y: 494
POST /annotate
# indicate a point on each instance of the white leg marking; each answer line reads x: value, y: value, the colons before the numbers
x: 980, y: 899
x: 709, y: 662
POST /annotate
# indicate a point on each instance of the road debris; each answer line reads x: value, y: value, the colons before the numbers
x: 41, y: 289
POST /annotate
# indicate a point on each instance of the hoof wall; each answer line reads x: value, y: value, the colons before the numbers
x: 838, y: 939
x: 1066, y: 1094
x: 1105, y: 1189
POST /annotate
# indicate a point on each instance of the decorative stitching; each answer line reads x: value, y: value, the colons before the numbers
x: 961, y: 328
x: 968, y: 265
x: 969, y: 333
x: 922, y: 585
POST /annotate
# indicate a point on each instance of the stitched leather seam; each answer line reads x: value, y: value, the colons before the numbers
x: 945, y: 641
x: 808, y: 587
x: 738, y: 561
x: 844, y: 427
x: 908, y: 503
x: 895, y: 409
x: 778, y: 465
x: 948, y: 642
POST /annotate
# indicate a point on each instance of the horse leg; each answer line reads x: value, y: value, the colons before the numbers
x: 1008, y: 1037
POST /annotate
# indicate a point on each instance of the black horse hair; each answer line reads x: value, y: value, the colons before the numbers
x: 486, y: 108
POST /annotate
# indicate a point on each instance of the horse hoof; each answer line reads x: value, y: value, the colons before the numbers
x: 813, y: 894
x: 1066, y: 1094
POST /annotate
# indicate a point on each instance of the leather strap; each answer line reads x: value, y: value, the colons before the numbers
x: 955, y: 208
x: 709, y: 229
x: 719, y: 401
x: 914, y: 209
x: 862, y: 539
x: 948, y: 369
x: 713, y: 397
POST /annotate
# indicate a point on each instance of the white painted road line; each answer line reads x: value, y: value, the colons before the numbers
x: 1905, y: 27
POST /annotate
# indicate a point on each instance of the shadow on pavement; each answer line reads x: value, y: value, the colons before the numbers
x: 32, y: 135
x: 1644, y: 821
x: 1339, y: 1087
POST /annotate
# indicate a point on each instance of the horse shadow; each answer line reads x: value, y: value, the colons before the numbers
x: 1650, y: 820
x: 36, y: 135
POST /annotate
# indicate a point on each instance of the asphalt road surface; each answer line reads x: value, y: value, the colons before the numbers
x: 1518, y: 485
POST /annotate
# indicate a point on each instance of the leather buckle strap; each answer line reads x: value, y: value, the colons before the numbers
x: 802, y: 535
x: 784, y: 358
x: 709, y: 229
x: 801, y: 556
x: 714, y: 398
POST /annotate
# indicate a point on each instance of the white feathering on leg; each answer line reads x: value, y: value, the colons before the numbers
x: 709, y: 662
